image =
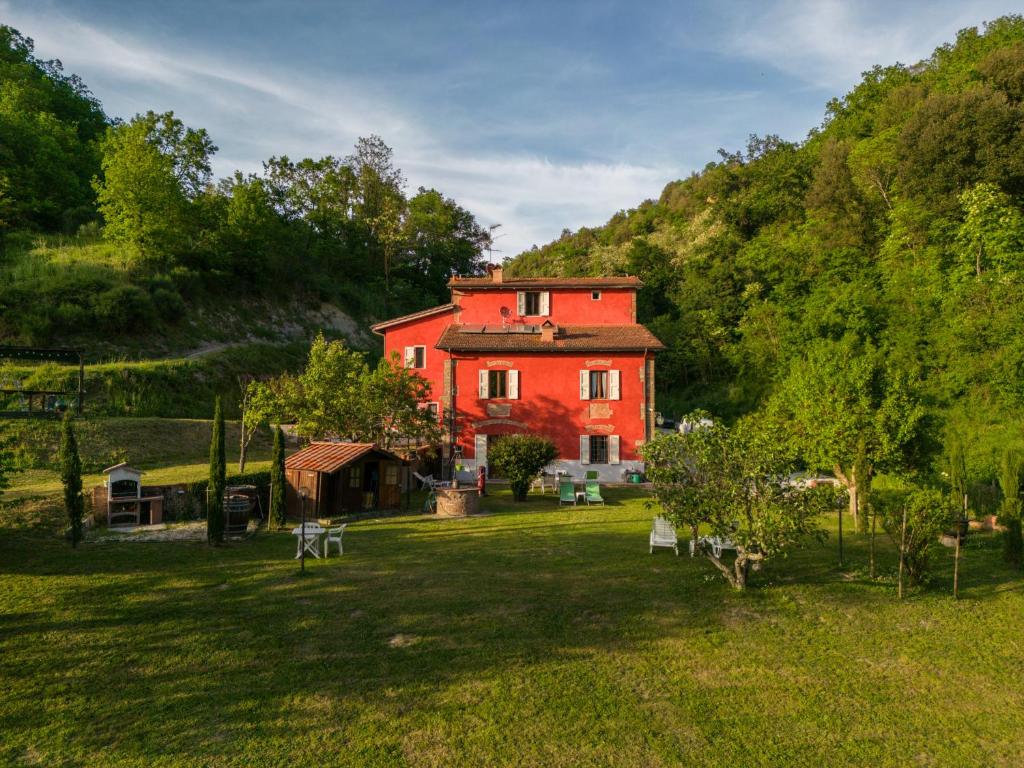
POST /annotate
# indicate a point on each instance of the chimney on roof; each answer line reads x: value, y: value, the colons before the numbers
x: 495, y: 271
x: 548, y: 331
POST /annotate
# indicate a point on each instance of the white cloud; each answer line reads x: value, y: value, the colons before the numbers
x: 829, y: 43
x: 252, y: 113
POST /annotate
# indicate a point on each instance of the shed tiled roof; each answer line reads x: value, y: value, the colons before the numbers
x: 626, y: 281
x: 413, y: 316
x: 570, y: 338
x: 330, y: 457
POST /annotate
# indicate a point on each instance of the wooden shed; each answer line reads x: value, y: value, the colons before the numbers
x: 342, y: 478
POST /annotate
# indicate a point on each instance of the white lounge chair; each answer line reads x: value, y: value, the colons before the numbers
x: 426, y: 481
x: 334, y: 536
x: 663, y: 534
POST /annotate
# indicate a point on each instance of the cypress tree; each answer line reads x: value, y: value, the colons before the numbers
x: 218, y: 479
x: 957, y: 474
x: 1010, y: 510
x: 71, y: 478
x: 277, y: 481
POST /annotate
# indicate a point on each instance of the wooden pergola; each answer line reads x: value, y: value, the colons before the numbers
x: 41, y: 402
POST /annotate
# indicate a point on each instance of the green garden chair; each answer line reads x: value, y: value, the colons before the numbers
x: 593, y: 492
x: 566, y: 493
x: 592, y: 474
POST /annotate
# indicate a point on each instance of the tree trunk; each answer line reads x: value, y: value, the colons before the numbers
x: 849, y: 480
x: 243, y: 449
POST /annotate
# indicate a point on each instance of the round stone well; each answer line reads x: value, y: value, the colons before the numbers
x: 457, y: 502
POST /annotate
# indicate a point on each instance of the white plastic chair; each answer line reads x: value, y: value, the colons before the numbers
x: 310, y: 542
x: 334, y: 535
x: 663, y: 534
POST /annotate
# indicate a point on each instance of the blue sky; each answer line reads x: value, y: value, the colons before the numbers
x: 534, y: 115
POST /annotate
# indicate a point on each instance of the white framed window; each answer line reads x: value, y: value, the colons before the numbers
x: 599, y: 449
x: 595, y: 295
x: 433, y: 408
x: 600, y: 385
x: 416, y: 357
x: 533, y: 303
x: 499, y: 384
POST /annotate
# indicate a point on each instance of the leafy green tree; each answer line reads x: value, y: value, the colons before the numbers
x: 734, y: 481
x: 143, y: 206
x: 846, y: 411
x: 278, y: 508
x: 259, y: 403
x: 1010, y: 509
x: 71, y: 479
x: 390, y: 406
x: 325, y: 398
x: 218, y: 479
x: 49, y: 123
x: 991, y: 238
x: 443, y: 239
x: 520, y: 458
x: 153, y: 167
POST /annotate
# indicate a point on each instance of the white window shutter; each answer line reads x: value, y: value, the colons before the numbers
x: 584, y: 385
x: 480, y: 446
x: 545, y: 303
x: 513, y: 385
x: 410, y: 357
x: 521, y: 303
x: 613, y: 385
x: 613, y: 449
x: 584, y: 449
x: 483, y: 384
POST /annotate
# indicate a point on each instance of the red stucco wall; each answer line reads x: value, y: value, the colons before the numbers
x: 423, y: 332
x: 568, y: 307
x: 549, y: 401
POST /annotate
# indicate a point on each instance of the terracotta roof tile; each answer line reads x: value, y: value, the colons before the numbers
x: 330, y: 457
x: 546, y: 282
x: 570, y: 338
x: 413, y: 316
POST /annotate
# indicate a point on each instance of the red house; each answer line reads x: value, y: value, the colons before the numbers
x: 559, y: 357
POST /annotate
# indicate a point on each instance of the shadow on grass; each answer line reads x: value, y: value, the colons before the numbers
x: 195, y: 647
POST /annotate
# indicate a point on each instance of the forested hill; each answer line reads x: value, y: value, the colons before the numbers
x: 896, y: 223
x: 116, y: 237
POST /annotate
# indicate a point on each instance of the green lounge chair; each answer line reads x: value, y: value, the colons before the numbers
x: 566, y: 493
x: 593, y: 492
x: 592, y: 474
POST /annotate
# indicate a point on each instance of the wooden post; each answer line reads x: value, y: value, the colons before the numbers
x: 840, y: 536
x: 956, y: 565
x: 903, y: 547
x: 956, y: 558
x: 871, y: 567
x: 302, y: 533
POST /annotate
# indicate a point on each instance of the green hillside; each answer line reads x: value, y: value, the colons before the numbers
x: 896, y: 223
x: 116, y: 237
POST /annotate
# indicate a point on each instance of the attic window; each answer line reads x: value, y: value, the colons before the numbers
x: 595, y: 295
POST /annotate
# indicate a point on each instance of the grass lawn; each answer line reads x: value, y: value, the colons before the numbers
x: 531, y: 636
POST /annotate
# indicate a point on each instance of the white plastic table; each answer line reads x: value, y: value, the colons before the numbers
x: 312, y: 539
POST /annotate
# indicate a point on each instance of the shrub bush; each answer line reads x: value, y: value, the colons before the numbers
x: 521, y: 458
x: 929, y: 514
x: 123, y: 308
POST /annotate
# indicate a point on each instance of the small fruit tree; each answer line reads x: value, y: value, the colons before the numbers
x: 521, y: 458
x: 735, y: 482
